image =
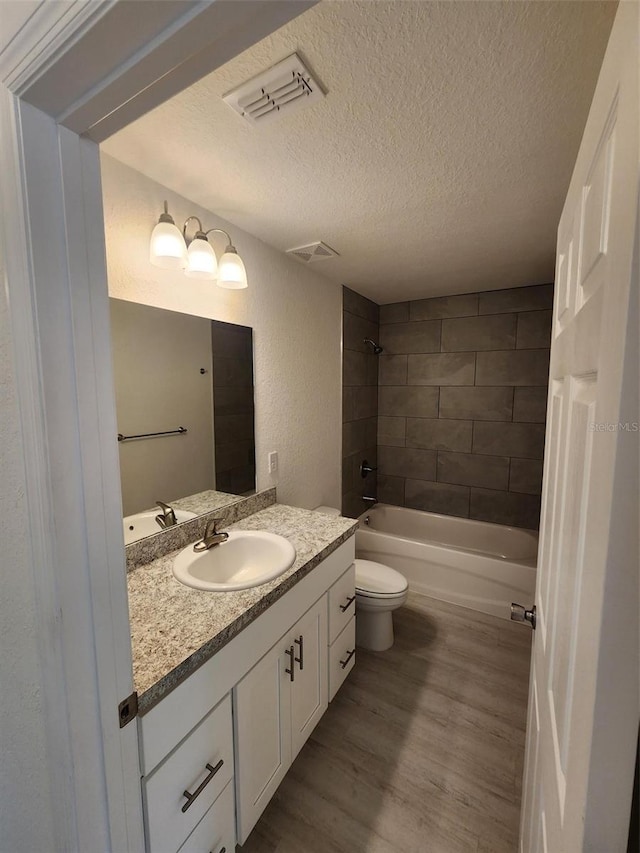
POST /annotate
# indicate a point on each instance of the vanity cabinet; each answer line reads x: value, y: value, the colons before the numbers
x: 277, y: 705
x: 230, y: 731
x: 181, y: 791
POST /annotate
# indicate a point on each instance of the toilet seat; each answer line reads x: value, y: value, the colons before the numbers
x: 377, y: 581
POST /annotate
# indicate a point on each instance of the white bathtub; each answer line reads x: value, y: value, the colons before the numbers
x: 471, y: 563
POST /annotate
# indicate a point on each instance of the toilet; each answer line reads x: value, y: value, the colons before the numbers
x: 379, y: 591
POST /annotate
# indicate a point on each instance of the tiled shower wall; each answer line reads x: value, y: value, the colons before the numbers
x: 359, y: 399
x: 462, y: 403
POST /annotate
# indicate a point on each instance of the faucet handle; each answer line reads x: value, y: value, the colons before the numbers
x: 211, y: 527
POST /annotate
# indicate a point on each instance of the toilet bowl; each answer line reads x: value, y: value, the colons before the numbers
x: 379, y: 591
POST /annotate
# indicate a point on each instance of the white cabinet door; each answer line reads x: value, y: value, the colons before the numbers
x: 309, y: 689
x: 262, y: 734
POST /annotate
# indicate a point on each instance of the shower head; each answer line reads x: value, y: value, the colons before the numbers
x: 377, y: 349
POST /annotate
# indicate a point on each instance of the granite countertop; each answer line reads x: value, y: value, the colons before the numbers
x: 175, y: 629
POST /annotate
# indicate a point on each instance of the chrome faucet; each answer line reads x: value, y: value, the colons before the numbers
x: 167, y: 518
x: 212, y: 536
x: 370, y: 501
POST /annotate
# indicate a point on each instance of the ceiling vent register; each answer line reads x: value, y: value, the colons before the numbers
x: 313, y: 252
x: 282, y: 89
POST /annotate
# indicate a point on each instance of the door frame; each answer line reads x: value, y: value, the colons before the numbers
x: 60, y: 95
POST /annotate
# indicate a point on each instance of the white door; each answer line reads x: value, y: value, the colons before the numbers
x: 309, y: 691
x: 262, y: 723
x: 582, y: 715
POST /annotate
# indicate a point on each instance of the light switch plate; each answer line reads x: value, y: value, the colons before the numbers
x: 273, y: 462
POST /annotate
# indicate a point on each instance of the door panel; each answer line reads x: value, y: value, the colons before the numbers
x: 309, y: 692
x: 572, y: 788
x: 262, y: 732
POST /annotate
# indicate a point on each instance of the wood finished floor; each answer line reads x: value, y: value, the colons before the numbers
x: 422, y: 749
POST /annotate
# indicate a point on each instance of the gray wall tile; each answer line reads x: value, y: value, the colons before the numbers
x: 439, y: 434
x: 355, y: 303
x: 522, y: 440
x: 437, y: 497
x: 399, y: 401
x: 439, y: 307
x: 517, y: 299
x: 469, y: 469
x: 347, y: 404
x: 392, y: 431
x: 392, y: 369
x: 411, y: 337
x: 470, y: 334
x: 407, y: 462
x: 365, y: 401
x: 391, y: 490
x: 526, y: 476
x: 530, y: 404
x: 522, y: 367
x: 478, y: 404
x: 354, y: 368
x: 534, y: 330
x: 442, y: 369
x: 355, y: 330
x: 352, y: 505
x: 505, y: 508
x: 396, y: 312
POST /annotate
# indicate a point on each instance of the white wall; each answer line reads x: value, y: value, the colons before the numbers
x: 24, y: 776
x: 295, y: 314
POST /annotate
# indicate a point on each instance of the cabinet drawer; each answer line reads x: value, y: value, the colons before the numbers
x: 216, y: 831
x: 202, y: 764
x: 342, y: 657
x: 342, y: 604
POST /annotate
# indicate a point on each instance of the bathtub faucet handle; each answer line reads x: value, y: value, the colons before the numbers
x: 365, y: 469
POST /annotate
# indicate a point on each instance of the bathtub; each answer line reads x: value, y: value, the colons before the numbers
x: 474, y: 564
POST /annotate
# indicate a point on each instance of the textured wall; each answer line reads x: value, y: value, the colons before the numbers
x: 462, y: 403
x: 295, y: 315
x: 26, y: 820
x: 359, y: 399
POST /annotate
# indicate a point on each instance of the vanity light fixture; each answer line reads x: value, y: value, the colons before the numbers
x: 172, y: 250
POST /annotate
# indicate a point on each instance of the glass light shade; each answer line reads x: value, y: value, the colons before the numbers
x: 231, y: 271
x: 167, y: 248
x: 201, y: 259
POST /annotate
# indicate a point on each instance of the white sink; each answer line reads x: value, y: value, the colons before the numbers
x: 248, y: 558
x: 144, y: 524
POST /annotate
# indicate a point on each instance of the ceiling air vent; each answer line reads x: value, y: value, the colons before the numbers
x: 282, y: 89
x: 313, y: 252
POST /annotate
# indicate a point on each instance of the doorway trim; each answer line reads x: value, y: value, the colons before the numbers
x: 60, y: 96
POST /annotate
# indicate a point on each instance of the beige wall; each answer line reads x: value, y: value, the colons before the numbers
x: 295, y: 314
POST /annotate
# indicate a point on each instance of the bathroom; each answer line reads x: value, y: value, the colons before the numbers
x: 396, y: 350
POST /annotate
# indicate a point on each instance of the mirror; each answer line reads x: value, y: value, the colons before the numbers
x: 184, y: 403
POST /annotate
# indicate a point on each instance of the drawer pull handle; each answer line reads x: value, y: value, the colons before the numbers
x: 350, y: 601
x: 291, y: 672
x: 344, y: 663
x: 300, y: 660
x: 191, y: 797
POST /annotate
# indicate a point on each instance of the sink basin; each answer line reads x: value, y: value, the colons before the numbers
x: 144, y: 524
x: 248, y: 558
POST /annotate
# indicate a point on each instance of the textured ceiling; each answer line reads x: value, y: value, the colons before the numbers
x: 438, y: 161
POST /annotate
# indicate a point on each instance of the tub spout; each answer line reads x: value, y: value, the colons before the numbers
x: 370, y: 501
